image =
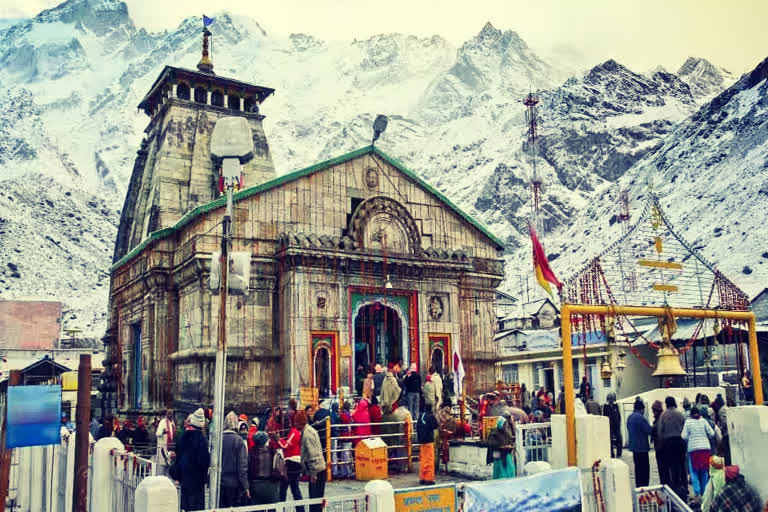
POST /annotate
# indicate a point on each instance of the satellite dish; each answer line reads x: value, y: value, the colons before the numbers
x: 379, y: 127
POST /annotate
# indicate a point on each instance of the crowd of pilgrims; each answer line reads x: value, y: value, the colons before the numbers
x: 265, y: 456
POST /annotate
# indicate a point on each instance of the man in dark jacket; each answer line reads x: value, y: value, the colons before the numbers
x: 265, y: 488
x: 611, y: 410
x: 673, y: 449
x: 412, y: 385
x: 191, y: 466
x: 638, y: 430
x: 234, y: 464
x: 378, y: 381
x: 426, y: 425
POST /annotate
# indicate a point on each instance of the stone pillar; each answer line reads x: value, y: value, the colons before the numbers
x: 593, y: 440
x: 381, y: 496
x: 747, y: 434
x: 156, y: 494
x: 101, y: 476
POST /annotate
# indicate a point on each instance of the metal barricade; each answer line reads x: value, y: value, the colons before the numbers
x: 340, y: 450
x: 533, y: 442
x: 657, y: 498
x: 128, y: 470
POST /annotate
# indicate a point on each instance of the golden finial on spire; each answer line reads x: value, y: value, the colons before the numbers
x: 205, y: 65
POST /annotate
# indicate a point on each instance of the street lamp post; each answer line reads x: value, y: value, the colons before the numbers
x: 231, y: 146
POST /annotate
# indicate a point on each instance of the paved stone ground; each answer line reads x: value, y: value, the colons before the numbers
x: 398, y: 481
x: 626, y: 456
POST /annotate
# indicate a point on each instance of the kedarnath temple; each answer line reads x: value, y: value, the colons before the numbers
x: 354, y: 261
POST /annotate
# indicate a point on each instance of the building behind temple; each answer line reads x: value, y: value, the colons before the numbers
x: 353, y: 261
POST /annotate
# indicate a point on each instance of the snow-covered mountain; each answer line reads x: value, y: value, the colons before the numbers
x: 69, y: 127
x: 711, y: 174
x: 704, y: 78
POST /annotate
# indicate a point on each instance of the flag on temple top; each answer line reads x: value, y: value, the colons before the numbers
x: 544, y: 274
x: 458, y: 372
x: 206, y: 20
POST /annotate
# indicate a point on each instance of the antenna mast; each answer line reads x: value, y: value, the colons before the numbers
x: 531, y: 119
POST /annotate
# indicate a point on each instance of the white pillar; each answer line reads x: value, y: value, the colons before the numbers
x: 747, y: 434
x: 241, y: 103
x: 208, y: 97
x: 226, y: 101
x: 381, y: 496
x: 617, y: 488
x: 102, y: 473
x: 174, y: 91
x: 156, y: 494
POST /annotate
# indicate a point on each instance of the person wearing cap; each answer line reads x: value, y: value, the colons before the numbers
x: 736, y: 494
x: 265, y: 488
x: 611, y: 411
x: 234, y: 464
x: 716, y: 482
x: 190, y: 470
x: 252, y: 429
x: 638, y: 430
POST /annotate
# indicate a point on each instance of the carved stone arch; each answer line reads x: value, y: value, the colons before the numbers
x: 381, y: 223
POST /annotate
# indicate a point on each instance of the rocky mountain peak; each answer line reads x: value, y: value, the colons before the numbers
x: 491, y: 39
x: 99, y: 16
x: 704, y: 78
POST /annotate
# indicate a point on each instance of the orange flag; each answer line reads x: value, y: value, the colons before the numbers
x: 544, y: 274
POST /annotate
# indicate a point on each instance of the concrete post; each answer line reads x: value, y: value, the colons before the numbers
x: 102, y: 472
x: 747, y: 433
x: 381, y: 496
x: 156, y: 494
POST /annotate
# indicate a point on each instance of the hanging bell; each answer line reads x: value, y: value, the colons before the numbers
x: 668, y: 362
x: 605, y: 370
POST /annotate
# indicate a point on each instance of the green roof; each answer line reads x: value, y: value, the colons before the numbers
x: 286, y: 178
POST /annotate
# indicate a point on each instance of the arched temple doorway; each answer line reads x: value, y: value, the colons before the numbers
x: 322, y: 369
x: 380, y: 335
x: 437, y: 359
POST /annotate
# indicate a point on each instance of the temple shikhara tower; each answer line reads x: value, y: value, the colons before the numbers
x: 354, y: 261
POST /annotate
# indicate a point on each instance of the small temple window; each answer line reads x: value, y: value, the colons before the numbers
x: 217, y: 99
x: 201, y: 95
x: 182, y: 92
x: 248, y: 105
x: 233, y: 102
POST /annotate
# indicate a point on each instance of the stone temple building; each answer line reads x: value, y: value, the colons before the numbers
x: 353, y: 261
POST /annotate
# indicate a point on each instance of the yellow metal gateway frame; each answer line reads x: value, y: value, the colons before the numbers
x: 567, y: 310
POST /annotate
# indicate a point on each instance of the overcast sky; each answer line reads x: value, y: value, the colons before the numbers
x: 638, y: 33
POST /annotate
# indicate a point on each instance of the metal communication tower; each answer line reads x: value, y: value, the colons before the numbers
x: 531, y: 119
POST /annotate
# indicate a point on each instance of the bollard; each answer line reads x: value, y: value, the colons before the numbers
x: 381, y: 496
x: 156, y: 494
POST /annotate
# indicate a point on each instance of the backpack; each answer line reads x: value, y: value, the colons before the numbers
x: 279, y: 472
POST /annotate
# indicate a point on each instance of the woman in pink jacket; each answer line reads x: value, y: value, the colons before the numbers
x: 361, y: 415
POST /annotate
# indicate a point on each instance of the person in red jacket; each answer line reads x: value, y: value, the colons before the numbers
x: 254, y: 427
x: 374, y: 411
x: 291, y: 446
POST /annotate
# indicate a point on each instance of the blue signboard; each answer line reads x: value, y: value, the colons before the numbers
x: 34, y: 416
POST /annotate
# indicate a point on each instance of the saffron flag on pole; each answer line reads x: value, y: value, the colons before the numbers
x: 458, y: 371
x: 544, y: 274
